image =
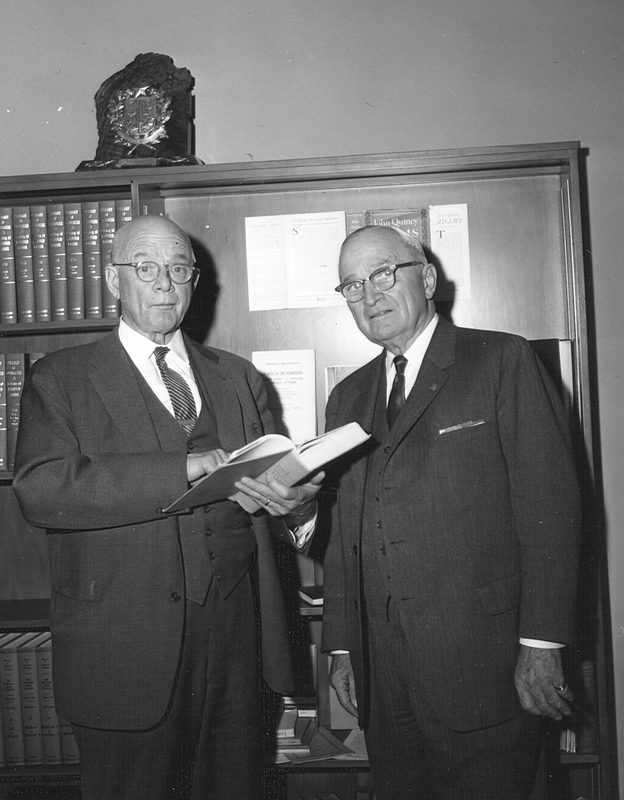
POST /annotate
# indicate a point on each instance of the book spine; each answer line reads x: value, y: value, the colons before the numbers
x: 50, y: 725
x: 58, y: 262
x: 24, y: 279
x: 2, y: 756
x: 41, y: 263
x: 75, y: 260
x: 92, y: 259
x: 8, y: 292
x: 11, y: 708
x: 4, y: 460
x: 31, y: 715
x: 14, y: 374
x: 69, y: 745
x: 123, y: 211
x: 108, y: 225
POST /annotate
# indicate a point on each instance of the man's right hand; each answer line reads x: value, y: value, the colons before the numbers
x: 341, y: 678
x: 200, y: 464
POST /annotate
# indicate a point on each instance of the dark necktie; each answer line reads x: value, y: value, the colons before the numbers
x: 396, y: 400
x: 181, y: 397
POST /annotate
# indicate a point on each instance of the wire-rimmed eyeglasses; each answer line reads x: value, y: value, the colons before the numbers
x: 149, y: 271
x: 383, y: 278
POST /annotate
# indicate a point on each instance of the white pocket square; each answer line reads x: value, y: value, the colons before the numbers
x: 470, y: 424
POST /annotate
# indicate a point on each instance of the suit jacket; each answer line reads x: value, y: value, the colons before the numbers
x: 479, y: 505
x: 94, y: 469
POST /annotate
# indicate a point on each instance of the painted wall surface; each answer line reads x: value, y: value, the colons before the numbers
x: 303, y: 78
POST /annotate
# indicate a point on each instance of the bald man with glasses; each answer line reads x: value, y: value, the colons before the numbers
x: 158, y: 621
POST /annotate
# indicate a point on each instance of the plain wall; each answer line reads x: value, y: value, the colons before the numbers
x: 301, y: 78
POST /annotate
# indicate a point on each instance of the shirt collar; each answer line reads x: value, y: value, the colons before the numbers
x: 416, y: 352
x: 140, y: 348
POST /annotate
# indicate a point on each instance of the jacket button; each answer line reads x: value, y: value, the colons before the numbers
x: 190, y: 446
x: 254, y: 426
x: 387, y: 449
x: 176, y: 597
x: 383, y: 550
x: 378, y: 524
x: 212, y: 556
x: 355, y: 549
x: 208, y: 531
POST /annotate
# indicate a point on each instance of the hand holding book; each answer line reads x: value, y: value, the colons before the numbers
x: 271, y: 455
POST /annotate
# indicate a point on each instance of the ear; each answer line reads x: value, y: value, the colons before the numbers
x: 430, y: 280
x: 112, y: 281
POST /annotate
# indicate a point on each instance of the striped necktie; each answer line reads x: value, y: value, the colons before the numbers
x: 181, y: 397
x: 397, y: 393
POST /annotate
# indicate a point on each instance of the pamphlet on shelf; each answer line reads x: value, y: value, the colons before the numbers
x: 273, y: 455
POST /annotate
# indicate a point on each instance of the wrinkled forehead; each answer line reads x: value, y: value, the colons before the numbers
x: 152, y: 238
x: 362, y: 253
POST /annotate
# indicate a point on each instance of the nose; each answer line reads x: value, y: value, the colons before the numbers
x: 163, y: 281
x: 371, y: 293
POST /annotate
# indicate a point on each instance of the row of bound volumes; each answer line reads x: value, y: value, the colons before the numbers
x: 32, y: 733
x: 13, y: 367
x: 53, y: 259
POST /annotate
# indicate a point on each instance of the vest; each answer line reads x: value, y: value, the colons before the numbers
x: 217, y: 540
x: 376, y: 578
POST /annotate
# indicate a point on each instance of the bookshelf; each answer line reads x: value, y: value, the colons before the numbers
x: 525, y: 222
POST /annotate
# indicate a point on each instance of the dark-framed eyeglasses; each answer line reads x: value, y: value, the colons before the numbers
x: 149, y: 271
x: 383, y: 278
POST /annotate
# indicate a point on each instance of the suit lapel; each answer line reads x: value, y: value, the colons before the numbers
x: 114, y: 379
x: 431, y: 378
x: 218, y: 386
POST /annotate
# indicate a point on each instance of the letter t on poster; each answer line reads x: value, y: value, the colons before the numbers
x: 290, y: 379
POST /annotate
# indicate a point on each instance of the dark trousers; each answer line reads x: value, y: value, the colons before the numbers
x: 414, y: 755
x: 208, y: 746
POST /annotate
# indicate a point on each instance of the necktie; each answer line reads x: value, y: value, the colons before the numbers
x: 397, y: 394
x: 181, y: 397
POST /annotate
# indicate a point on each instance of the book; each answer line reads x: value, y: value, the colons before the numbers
x: 274, y: 455
x: 14, y: 375
x: 311, y: 594
x: 41, y: 263
x: 29, y: 692
x: 58, y: 261
x: 108, y: 226
x: 8, y: 291
x: 69, y: 745
x: 303, y: 733
x: 4, y: 453
x: 323, y: 745
x: 304, y: 459
x: 24, y: 276
x: 123, y: 211
x: 11, y: 699
x: 286, y: 723
x: 50, y: 725
x: 92, y: 259
x: 75, y: 260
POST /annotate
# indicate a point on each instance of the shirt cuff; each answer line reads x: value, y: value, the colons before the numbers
x: 540, y: 643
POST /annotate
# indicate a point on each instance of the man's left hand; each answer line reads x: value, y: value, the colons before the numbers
x: 295, y: 502
x: 541, y: 684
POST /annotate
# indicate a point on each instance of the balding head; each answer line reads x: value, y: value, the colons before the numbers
x: 153, y: 308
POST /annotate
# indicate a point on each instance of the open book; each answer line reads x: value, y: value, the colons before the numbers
x: 273, y: 455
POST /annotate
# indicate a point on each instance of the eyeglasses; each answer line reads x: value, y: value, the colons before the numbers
x: 383, y: 279
x: 149, y: 271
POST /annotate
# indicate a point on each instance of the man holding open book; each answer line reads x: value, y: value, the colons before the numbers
x: 154, y: 615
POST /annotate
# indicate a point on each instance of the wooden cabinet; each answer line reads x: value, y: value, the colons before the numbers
x: 526, y: 276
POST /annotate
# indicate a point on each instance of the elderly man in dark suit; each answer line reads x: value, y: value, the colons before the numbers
x: 451, y: 566
x: 154, y: 617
